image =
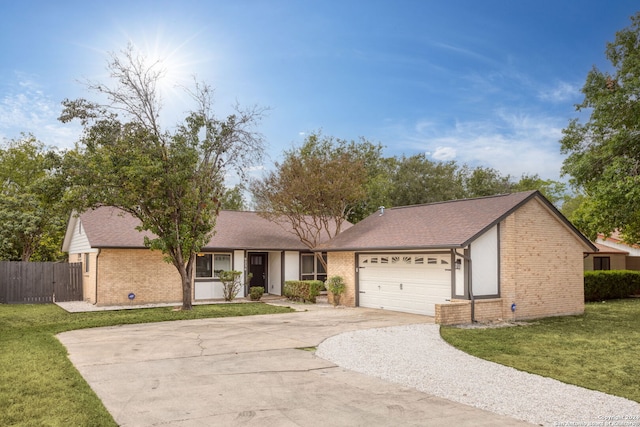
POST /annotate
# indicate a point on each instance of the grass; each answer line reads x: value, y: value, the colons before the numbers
x: 39, y: 386
x: 598, y: 350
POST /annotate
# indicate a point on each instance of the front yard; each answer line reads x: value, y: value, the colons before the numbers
x: 39, y: 385
x: 599, y: 350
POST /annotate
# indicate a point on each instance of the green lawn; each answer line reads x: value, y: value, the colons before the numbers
x: 599, y: 350
x: 38, y: 384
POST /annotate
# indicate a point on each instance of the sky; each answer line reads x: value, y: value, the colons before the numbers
x: 484, y: 83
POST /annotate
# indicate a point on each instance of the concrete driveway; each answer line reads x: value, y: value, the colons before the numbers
x: 252, y: 370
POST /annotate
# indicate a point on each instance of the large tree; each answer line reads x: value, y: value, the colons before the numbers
x: 482, y: 181
x: 315, y: 188
x: 232, y: 199
x: 603, y: 152
x: 554, y: 191
x: 32, y: 216
x: 416, y: 180
x: 172, y: 181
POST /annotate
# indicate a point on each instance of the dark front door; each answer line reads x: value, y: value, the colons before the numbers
x: 258, y: 269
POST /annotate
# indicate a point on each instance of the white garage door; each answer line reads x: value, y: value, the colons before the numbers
x: 412, y: 283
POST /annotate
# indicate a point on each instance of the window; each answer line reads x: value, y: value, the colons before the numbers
x: 86, y: 263
x: 312, y: 268
x: 210, y: 265
x: 601, y: 263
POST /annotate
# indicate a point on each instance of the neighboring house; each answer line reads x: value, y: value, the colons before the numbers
x: 117, y: 265
x: 606, y: 258
x: 613, y: 247
x: 503, y: 257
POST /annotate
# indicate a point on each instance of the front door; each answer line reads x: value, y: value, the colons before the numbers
x: 258, y: 270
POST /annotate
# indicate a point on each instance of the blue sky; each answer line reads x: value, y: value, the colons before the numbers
x: 485, y: 83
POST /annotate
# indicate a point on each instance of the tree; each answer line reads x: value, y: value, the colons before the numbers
x: 232, y: 199
x: 571, y: 205
x: 31, y: 213
x: 603, y: 153
x: 554, y: 191
x: 416, y: 180
x: 171, y: 181
x: 482, y: 182
x: 377, y: 185
x: 315, y: 188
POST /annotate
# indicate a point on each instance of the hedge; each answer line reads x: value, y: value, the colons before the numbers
x: 302, y: 290
x: 610, y: 284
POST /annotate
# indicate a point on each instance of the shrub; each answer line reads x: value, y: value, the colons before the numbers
x: 318, y: 284
x: 610, y: 284
x: 302, y: 290
x: 230, y: 283
x: 336, y: 286
x: 256, y: 292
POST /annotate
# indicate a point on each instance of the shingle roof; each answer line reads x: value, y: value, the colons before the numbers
x: 452, y: 224
x: 108, y: 227
x: 604, y: 249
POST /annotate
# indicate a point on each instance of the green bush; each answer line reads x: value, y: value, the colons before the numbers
x: 230, y: 283
x: 610, y: 284
x: 302, y: 290
x: 256, y: 292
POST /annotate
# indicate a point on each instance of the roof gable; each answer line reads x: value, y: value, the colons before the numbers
x: 452, y: 224
x: 108, y: 227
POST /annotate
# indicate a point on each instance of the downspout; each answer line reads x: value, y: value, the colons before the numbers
x: 473, y: 301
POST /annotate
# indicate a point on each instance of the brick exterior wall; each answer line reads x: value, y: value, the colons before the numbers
x: 454, y: 313
x: 459, y: 311
x: 343, y: 264
x: 141, y: 271
x: 541, y: 265
x: 488, y: 310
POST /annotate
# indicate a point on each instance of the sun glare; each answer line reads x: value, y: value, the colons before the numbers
x: 177, y: 58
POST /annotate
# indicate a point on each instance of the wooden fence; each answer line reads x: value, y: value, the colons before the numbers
x: 39, y: 282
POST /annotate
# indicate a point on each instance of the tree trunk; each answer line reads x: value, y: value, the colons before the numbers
x: 27, y: 249
x: 322, y: 260
x: 185, y: 276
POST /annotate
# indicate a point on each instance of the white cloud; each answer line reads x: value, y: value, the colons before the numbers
x: 423, y: 125
x: 512, y: 143
x: 561, y: 92
x: 26, y: 108
x: 444, y: 153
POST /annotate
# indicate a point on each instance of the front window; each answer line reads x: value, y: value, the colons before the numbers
x: 312, y: 268
x: 210, y: 265
x: 601, y: 263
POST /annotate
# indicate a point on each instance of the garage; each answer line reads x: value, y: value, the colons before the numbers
x: 409, y: 282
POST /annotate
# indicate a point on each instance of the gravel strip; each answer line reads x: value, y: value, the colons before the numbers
x: 417, y: 357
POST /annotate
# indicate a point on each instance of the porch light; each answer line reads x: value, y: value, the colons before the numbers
x: 458, y: 264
